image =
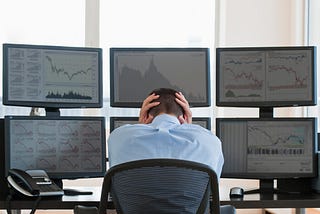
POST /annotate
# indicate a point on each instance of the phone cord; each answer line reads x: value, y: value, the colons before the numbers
x: 35, y: 205
x: 8, y: 204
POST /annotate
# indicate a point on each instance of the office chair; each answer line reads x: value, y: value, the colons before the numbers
x: 160, y: 186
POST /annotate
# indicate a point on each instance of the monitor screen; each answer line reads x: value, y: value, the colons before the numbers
x: 268, y: 148
x: 52, y: 76
x: 116, y: 122
x: 65, y: 147
x: 266, y: 76
x: 135, y: 72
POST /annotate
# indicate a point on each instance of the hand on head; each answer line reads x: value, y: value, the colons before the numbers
x: 147, y: 104
x: 187, y: 116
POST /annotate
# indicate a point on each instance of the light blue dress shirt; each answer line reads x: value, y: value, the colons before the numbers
x: 165, y: 137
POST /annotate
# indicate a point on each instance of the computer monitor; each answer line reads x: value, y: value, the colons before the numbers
x: 116, y: 122
x: 135, y: 72
x: 65, y: 147
x: 266, y: 76
x: 268, y: 149
x: 52, y: 76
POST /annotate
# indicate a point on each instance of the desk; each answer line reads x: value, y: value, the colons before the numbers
x: 261, y: 201
x: 251, y: 201
x: 299, y: 202
x: 64, y: 202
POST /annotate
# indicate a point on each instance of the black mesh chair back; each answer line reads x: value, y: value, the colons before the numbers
x: 162, y: 186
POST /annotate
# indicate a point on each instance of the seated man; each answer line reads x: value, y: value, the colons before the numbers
x: 165, y: 130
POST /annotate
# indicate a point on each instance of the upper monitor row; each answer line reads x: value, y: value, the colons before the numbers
x: 71, y: 77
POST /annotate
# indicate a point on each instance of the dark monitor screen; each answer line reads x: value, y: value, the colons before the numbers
x: 266, y: 76
x: 116, y: 122
x: 268, y: 148
x: 65, y: 147
x: 52, y: 76
x: 135, y: 72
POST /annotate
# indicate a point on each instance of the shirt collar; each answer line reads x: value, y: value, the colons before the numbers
x: 164, y: 120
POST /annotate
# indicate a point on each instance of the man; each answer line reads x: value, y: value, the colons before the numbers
x: 165, y: 130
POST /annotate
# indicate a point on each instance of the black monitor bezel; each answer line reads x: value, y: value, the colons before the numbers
x: 261, y: 176
x: 54, y: 104
x: 138, y: 104
x: 207, y: 120
x: 59, y: 175
x: 292, y: 103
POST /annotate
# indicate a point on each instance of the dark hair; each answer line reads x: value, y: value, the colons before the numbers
x: 167, y: 102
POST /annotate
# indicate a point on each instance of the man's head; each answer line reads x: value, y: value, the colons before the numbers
x: 168, y: 104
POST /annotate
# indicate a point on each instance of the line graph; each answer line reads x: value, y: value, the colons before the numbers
x: 70, y: 76
x: 22, y: 128
x: 69, y: 146
x: 16, y: 79
x: 90, y: 163
x: 45, y: 128
x: 140, y: 72
x: 266, y: 75
x: 33, y: 92
x: 90, y: 147
x: 90, y: 129
x: 17, y: 92
x: 244, y: 80
x: 67, y: 76
x: 68, y: 128
x: 243, y: 60
x: 46, y: 145
x: 23, y: 145
x: 69, y: 163
x: 243, y: 75
x: 288, y: 75
x: 276, y: 139
x: 290, y: 80
x: 33, y: 67
x: 16, y: 66
x: 66, y: 67
x: 296, y: 57
x: 33, y: 54
x: 63, y: 72
x: 33, y: 80
x: 47, y: 163
x: 16, y: 53
x: 57, y: 144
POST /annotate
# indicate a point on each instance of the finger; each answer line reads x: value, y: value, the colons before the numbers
x: 182, y: 101
x: 149, y: 119
x: 183, y: 104
x: 147, y: 107
x: 181, y: 119
x: 147, y: 103
x: 149, y: 99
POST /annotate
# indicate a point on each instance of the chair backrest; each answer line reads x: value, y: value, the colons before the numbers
x: 161, y: 186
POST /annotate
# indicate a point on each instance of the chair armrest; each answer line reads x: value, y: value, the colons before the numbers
x: 85, y: 210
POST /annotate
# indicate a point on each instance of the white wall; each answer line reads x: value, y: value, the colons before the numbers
x: 261, y: 23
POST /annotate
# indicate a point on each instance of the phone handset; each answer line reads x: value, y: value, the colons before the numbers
x: 23, y: 182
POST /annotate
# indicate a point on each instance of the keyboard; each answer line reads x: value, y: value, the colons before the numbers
x: 50, y: 190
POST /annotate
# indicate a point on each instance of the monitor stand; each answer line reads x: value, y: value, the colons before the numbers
x: 53, y: 112
x: 71, y: 192
x: 295, y: 185
x: 266, y: 112
x: 284, y: 186
x: 266, y: 186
